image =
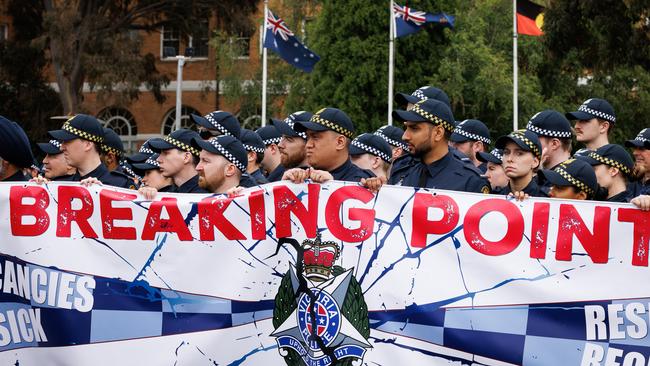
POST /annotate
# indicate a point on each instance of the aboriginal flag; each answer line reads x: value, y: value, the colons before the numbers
x: 530, y: 18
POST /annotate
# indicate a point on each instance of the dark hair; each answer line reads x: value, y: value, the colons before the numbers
x: 566, y: 144
x: 259, y: 157
x: 195, y: 160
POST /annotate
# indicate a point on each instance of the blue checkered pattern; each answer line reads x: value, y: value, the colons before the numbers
x: 542, y: 334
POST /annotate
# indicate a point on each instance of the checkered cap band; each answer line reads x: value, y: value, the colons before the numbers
x: 56, y: 144
x: 332, y: 126
x: 574, y: 180
x: 130, y: 171
x: 109, y: 149
x: 496, y: 154
x: 610, y: 162
x: 371, y: 150
x: 550, y: 133
x: 183, y: 146
x: 290, y: 122
x: 275, y: 140
x: 531, y: 145
x: 472, y: 136
x: 230, y: 157
x: 145, y: 150
x: 432, y: 118
x: 641, y: 138
x: 419, y: 94
x: 253, y: 148
x: 217, y: 125
x: 82, y: 134
x: 391, y: 141
x: 605, y: 116
x: 153, y: 162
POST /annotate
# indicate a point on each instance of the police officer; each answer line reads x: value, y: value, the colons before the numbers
x: 495, y: 173
x: 371, y: 152
x: 420, y: 94
x: 431, y: 164
x: 255, y: 152
x: 522, y: 154
x: 393, y: 135
x: 81, y: 138
x: 178, y: 159
x: 217, y: 123
x: 595, y: 119
x: 142, y: 155
x: 329, y: 134
x: 113, y: 156
x: 612, y: 166
x: 15, y: 152
x: 272, y: 159
x: 223, y: 161
x: 572, y: 179
x: 292, y: 145
x: 152, y: 176
x: 470, y: 137
x: 55, y: 167
x: 555, y: 136
x: 641, y: 151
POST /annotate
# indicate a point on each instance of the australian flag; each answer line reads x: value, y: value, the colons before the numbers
x: 409, y: 21
x: 279, y: 38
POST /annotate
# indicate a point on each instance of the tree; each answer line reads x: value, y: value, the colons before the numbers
x: 89, y: 41
x: 25, y: 96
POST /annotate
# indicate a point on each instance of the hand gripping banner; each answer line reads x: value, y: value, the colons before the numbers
x: 319, y: 275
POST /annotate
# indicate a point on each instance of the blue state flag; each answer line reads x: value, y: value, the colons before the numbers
x: 408, y: 20
x: 279, y: 38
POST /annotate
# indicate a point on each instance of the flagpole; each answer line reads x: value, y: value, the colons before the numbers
x: 264, y: 63
x: 515, y: 86
x: 391, y: 61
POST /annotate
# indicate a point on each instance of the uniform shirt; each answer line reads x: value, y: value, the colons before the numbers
x: 482, y: 168
x: 64, y: 178
x: 259, y: 177
x: 170, y: 188
x: 191, y: 186
x: 276, y: 174
x: 108, y: 178
x: 350, y: 173
x: 620, y: 197
x: 448, y: 173
x: 638, y: 188
x: 533, y: 189
x: 16, y: 177
x: 247, y: 181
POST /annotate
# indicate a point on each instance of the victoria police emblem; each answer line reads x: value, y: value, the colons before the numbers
x: 320, y: 316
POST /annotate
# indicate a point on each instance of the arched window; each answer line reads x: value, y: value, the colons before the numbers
x: 252, y: 122
x: 169, y: 121
x: 122, y: 122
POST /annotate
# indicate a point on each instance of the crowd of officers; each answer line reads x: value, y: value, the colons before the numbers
x: 432, y: 151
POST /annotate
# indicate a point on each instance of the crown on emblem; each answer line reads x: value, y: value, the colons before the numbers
x: 319, y: 258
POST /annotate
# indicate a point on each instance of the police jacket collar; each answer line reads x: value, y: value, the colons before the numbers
x: 191, y: 186
x: 98, y: 172
x: 16, y: 177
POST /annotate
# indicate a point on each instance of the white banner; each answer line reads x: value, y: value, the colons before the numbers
x: 319, y: 275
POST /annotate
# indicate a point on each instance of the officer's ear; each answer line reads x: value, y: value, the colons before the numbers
x: 438, y: 133
x: 342, y: 142
x: 581, y: 195
x: 252, y: 156
x: 613, y: 171
x: 230, y: 170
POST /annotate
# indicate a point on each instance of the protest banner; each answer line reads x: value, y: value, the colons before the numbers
x: 319, y: 274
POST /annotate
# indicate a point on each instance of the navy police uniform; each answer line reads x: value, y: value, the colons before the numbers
x: 573, y: 172
x: 88, y: 128
x: 181, y: 139
x: 447, y: 172
x: 527, y: 141
x: 615, y: 156
x: 641, y: 141
x: 472, y: 130
x: 227, y: 146
x: 253, y: 143
x: 53, y: 147
x: 15, y: 148
x: 336, y: 120
x: 270, y: 135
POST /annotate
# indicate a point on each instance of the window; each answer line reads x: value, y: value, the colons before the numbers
x: 199, y: 40
x: 122, y: 122
x: 4, y: 32
x: 171, y: 42
x: 240, y: 46
x: 169, y: 122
